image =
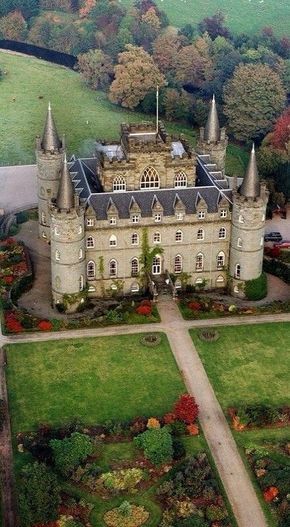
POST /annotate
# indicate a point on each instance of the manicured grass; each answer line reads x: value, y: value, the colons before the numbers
x: 90, y: 379
x: 241, y: 16
x: 248, y: 364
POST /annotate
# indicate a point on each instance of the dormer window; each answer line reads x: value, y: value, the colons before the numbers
x: 113, y: 220
x: 90, y: 222
x: 157, y: 217
x: 223, y: 213
x: 135, y: 218
x: 179, y: 216
x: 201, y: 214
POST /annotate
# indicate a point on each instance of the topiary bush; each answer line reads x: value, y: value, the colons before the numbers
x: 256, y: 289
x: 157, y: 445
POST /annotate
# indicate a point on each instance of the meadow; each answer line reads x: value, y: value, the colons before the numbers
x: 241, y: 16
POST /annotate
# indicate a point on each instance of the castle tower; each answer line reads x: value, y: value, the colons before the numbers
x: 213, y: 139
x: 248, y: 225
x: 49, y: 158
x: 68, y: 264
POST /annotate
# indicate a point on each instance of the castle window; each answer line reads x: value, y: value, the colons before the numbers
x: 81, y: 283
x: 80, y: 254
x: 201, y: 214
x: 57, y: 282
x: 157, y: 217
x: 43, y: 234
x: 113, y: 268
x: 178, y: 236
x: 220, y: 280
x: 135, y: 218
x: 241, y: 219
x: 150, y: 178
x: 178, y: 264
x: 134, y: 267
x: 223, y: 213
x: 240, y: 242
x: 180, y: 180
x: 200, y: 234
x: 156, y: 265
x: 220, y: 261
x: 199, y: 281
x: 156, y: 237
x: 57, y: 255
x: 113, y: 220
x: 91, y: 269
x: 56, y: 231
x: 199, y: 262
x: 80, y: 229
x: 42, y: 191
x: 222, y: 233
x: 135, y: 287
x: 90, y: 242
x: 43, y: 218
x: 262, y: 241
x: 113, y: 240
x: 119, y: 184
x: 91, y: 289
x: 179, y: 216
x: 135, y: 239
x: 263, y: 217
x: 238, y: 271
x: 90, y: 222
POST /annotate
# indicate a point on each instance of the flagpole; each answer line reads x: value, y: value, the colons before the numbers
x: 157, y: 108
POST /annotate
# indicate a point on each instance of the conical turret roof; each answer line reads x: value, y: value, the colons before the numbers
x: 212, y: 127
x: 50, y: 140
x: 65, y: 196
x: 250, y: 188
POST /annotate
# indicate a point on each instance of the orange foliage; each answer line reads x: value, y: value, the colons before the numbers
x: 270, y: 493
x: 193, y: 430
x: 88, y: 6
x: 153, y: 423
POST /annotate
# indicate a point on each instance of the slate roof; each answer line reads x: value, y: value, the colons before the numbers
x: 89, y: 188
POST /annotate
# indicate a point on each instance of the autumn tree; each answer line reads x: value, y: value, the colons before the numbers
x: 254, y: 97
x: 28, y: 8
x: 96, y: 68
x: 177, y: 104
x: 194, y: 65
x: 13, y: 26
x: 214, y: 26
x: 135, y: 75
x: 281, y: 132
x: 165, y: 50
x: 186, y: 409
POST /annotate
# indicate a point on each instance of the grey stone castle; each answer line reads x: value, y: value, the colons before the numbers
x: 96, y: 213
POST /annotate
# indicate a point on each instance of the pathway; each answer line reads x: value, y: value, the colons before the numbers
x: 235, y: 479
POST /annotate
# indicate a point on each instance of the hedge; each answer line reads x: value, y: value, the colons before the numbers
x: 256, y: 289
x: 277, y: 268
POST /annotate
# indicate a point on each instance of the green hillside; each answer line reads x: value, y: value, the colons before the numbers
x: 241, y: 16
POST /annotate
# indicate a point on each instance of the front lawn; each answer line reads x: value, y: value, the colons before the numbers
x: 248, y: 364
x: 93, y: 380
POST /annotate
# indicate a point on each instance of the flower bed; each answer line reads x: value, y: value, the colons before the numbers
x: 133, y: 516
x: 259, y: 416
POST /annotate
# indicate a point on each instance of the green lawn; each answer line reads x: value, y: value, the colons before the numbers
x: 241, y: 16
x: 90, y: 379
x: 73, y: 104
x: 248, y: 364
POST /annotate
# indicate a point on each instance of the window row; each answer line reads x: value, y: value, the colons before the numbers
x: 157, y: 238
x: 150, y: 179
x: 156, y: 265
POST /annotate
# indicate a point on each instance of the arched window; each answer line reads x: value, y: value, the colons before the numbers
x: 178, y: 236
x: 57, y: 255
x: 135, y: 239
x: 222, y: 233
x: 135, y: 287
x: 134, y: 267
x: 57, y: 282
x: 119, y: 184
x: 180, y: 180
x: 156, y: 237
x: 240, y: 243
x: 113, y: 268
x: 91, y: 269
x: 199, y: 262
x: 178, y: 264
x: 81, y: 283
x: 220, y: 261
x: 90, y: 242
x: 43, y: 218
x: 81, y: 253
x: 200, y: 234
x: 220, y: 281
x: 156, y: 265
x: 238, y: 271
x: 80, y: 229
x: 150, y: 178
x: 113, y: 240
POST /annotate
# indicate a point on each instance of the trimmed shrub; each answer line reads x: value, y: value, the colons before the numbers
x: 157, y: 445
x: 256, y: 289
x: 71, y: 451
x: 186, y: 409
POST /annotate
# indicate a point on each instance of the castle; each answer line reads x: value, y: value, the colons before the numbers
x: 150, y: 189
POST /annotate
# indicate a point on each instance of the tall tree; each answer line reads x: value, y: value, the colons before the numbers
x: 13, y: 26
x: 254, y: 97
x: 194, y: 65
x: 135, y: 76
x: 96, y: 68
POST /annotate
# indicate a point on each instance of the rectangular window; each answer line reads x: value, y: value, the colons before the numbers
x: 135, y: 218
x: 223, y: 213
x: 90, y: 222
x: 157, y: 218
x: 113, y: 220
x: 179, y: 216
x: 201, y: 214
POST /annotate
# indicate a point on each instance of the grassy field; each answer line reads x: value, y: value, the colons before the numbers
x: 73, y: 103
x: 241, y: 16
x: 90, y: 379
x: 248, y: 364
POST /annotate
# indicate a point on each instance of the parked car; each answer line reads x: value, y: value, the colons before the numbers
x: 273, y: 237
x: 285, y: 244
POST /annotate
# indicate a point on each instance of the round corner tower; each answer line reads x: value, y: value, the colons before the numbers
x: 248, y: 227
x: 68, y: 264
x: 49, y: 159
x: 213, y: 140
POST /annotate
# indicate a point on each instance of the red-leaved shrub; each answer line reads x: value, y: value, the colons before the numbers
x: 169, y: 418
x: 186, y: 409
x: 270, y: 493
x: 145, y: 302
x: 12, y: 323
x: 144, y: 310
x: 194, y: 306
x: 8, y: 279
x: 45, y: 325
